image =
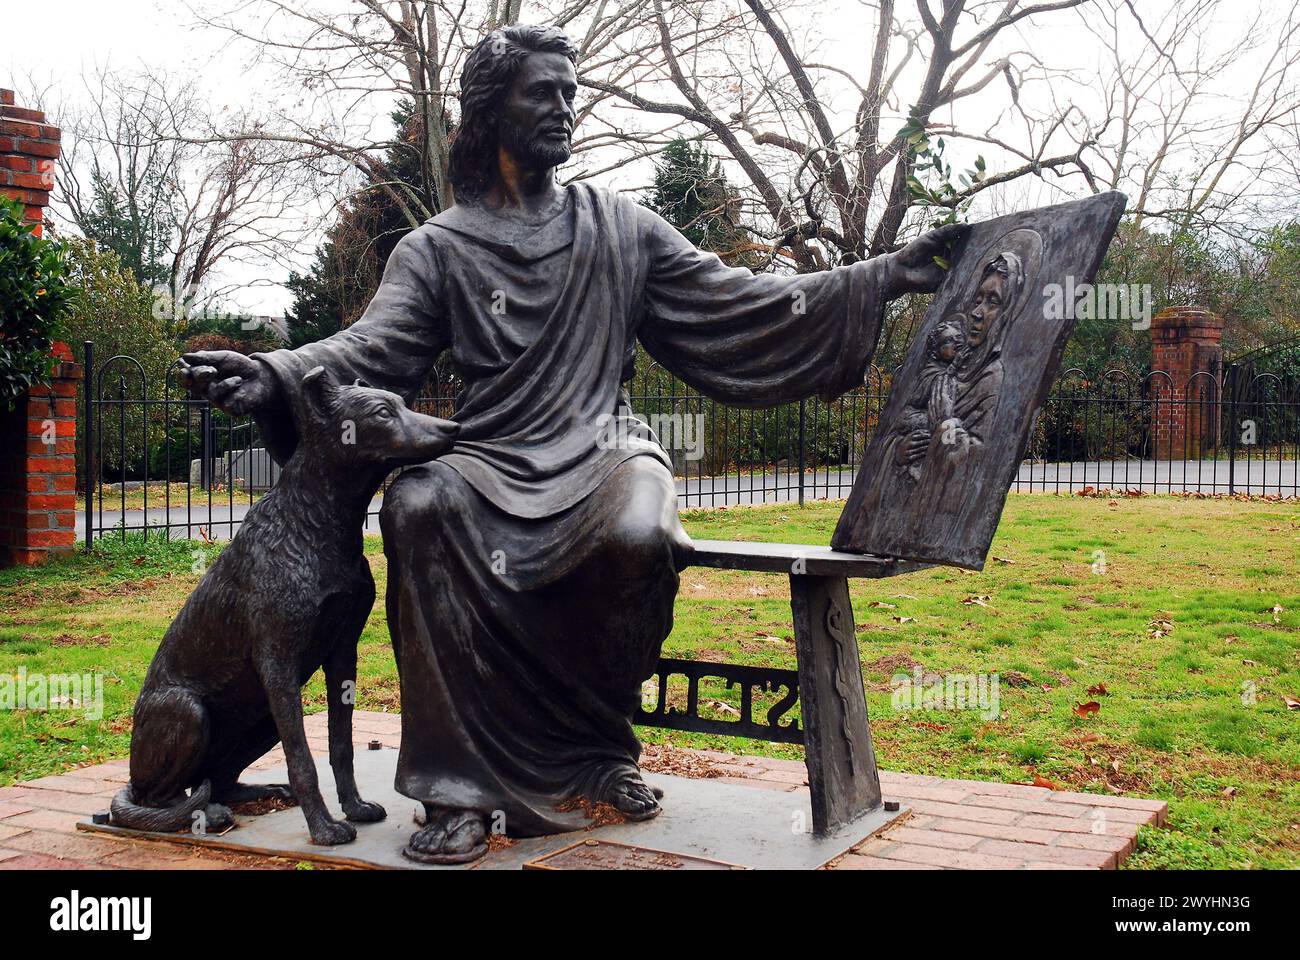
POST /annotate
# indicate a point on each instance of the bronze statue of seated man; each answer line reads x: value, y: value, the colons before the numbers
x: 532, y: 569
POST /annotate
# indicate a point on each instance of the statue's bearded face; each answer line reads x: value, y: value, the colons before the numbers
x: 537, y: 115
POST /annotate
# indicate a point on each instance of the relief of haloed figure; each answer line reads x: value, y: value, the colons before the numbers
x: 930, y: 450
x: 953, y: 434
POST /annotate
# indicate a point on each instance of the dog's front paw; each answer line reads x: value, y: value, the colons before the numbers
x: 360, y: 811
x: 331, y: 833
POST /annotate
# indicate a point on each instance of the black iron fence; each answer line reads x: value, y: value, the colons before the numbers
x: 161, y: 463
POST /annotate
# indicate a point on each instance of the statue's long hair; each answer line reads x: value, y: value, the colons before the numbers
x: 489, y: 71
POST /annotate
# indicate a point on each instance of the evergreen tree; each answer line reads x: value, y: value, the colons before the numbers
x: 138, y: 229
x: 350, y: 262
x: 692, y: 193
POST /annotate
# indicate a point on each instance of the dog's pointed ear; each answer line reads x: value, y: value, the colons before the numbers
x: 361, y: 383
x: 319, y: 385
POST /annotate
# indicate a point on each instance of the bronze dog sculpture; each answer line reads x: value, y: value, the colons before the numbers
x: 288, y: 596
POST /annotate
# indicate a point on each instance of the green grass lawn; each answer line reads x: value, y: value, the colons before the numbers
x: 1192, y: 624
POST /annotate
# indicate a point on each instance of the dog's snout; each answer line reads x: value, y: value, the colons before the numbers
x: 436, y: 427
x: 432, y: 436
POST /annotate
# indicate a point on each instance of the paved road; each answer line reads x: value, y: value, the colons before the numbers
x: 1256, y: 477
x: 1153, y: 476
x: 1176, y: 476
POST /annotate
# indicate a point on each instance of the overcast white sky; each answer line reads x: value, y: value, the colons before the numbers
x: 123, y: 34
x: 80, y: 34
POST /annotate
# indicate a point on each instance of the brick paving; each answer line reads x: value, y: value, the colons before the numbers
x: 954, y: 824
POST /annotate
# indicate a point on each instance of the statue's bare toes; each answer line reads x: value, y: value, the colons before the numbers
x: 633, y: 798
x: 455, y: 837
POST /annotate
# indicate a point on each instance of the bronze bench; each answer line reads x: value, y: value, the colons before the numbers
x: 827, y: 682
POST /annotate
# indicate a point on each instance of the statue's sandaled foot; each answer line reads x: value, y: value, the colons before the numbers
x: 251, y: 792
x: 632, y: 797
x: 458, y: 836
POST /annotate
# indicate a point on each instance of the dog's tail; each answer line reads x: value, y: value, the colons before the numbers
x: 127, y: 813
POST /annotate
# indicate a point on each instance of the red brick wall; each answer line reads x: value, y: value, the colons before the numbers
x: 38, y: 469
x: 38, y: 438
x: 28, y: 149
x: 1187, y: 370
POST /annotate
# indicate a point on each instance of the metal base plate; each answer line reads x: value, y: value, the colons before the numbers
x: 721, y: 822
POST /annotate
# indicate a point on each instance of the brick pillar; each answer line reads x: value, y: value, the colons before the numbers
x: 38, y: 438
x: 28, y: 148
x: 38, y: 468
x: 1187, y: 374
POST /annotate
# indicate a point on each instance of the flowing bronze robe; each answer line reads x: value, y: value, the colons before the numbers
x: 532, y: 571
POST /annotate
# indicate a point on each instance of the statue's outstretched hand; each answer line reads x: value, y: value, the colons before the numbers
x: 230, y: 381
x: 914, y: 269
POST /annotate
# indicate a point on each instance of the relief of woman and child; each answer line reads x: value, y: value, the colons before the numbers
x: 928, y: 454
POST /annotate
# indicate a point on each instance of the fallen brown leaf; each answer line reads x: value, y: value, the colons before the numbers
x: 1160, y: 628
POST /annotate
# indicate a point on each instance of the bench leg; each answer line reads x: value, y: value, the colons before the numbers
x: 842, y: 775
